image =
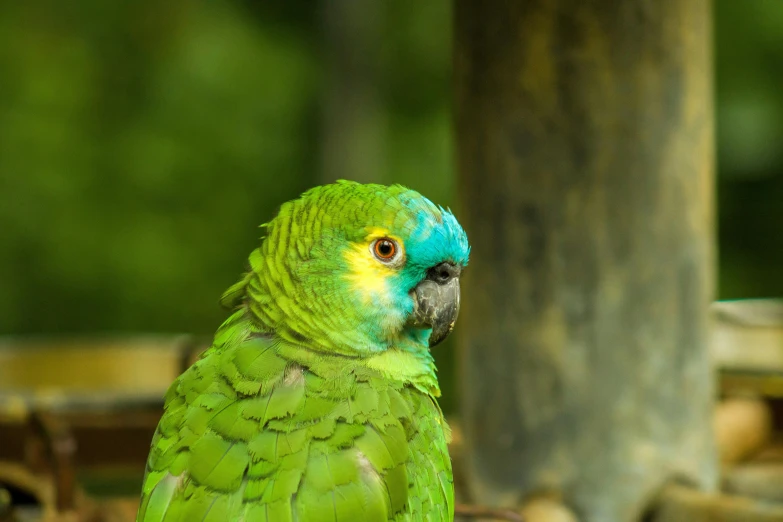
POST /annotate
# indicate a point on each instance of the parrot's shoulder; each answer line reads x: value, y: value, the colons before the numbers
x: 250, y: 431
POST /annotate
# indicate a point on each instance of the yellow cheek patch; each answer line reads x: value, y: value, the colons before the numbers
x: 367, y: 275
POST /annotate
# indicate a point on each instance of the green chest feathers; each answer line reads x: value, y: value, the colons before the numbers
x: 251, y: 435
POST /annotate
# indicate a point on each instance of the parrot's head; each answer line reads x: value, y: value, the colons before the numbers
x: 356, y: 269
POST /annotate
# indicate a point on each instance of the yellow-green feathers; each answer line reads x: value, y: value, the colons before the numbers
x: 368, y: 278
x: 316, y: 400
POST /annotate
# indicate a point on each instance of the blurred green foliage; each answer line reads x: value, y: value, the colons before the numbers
x: 142, y: 142
x: 749, y: 92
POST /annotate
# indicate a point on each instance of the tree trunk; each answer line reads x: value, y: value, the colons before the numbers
x: 585, y: 154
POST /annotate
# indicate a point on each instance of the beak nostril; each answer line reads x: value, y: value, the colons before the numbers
x: 443, y: 273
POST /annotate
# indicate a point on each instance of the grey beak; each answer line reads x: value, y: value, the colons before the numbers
x: 436, y: 301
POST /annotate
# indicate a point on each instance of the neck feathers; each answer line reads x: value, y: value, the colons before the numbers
x: 408, y: 363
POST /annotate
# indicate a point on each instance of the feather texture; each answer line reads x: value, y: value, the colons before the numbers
x: 298, y: 449
x: 315, y: 401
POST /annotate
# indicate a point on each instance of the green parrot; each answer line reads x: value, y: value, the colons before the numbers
x: 317, y: 399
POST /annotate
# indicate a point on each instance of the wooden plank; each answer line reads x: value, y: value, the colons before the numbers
x: 50, y: 369
x: 759, y: 480
x: 585, y: 158
x: 681, y: 504
x: 748, y: 336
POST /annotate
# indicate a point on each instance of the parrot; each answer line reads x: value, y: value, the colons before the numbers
x: 317, y: 399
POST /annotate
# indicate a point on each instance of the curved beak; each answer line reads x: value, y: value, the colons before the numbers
x: 436, y: 301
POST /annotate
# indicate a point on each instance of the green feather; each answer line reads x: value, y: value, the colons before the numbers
x: 305, y: 407
x: 327, y: 471
x: 218, y: 463
x: 376, y: 450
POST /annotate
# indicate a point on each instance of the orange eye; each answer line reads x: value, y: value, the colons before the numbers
x: 385, y: 249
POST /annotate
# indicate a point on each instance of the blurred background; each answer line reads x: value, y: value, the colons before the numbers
x: 142, y: 143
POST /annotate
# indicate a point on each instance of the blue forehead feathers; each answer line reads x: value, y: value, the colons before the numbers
x: 436, y: 237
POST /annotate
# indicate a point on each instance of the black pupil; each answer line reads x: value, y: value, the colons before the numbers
x: 385, y: 248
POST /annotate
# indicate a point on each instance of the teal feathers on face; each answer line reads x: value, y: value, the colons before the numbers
x: 314, y: 280
x: 316, y: 401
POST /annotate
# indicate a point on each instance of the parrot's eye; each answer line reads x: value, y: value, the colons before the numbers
x: 385, y: 249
